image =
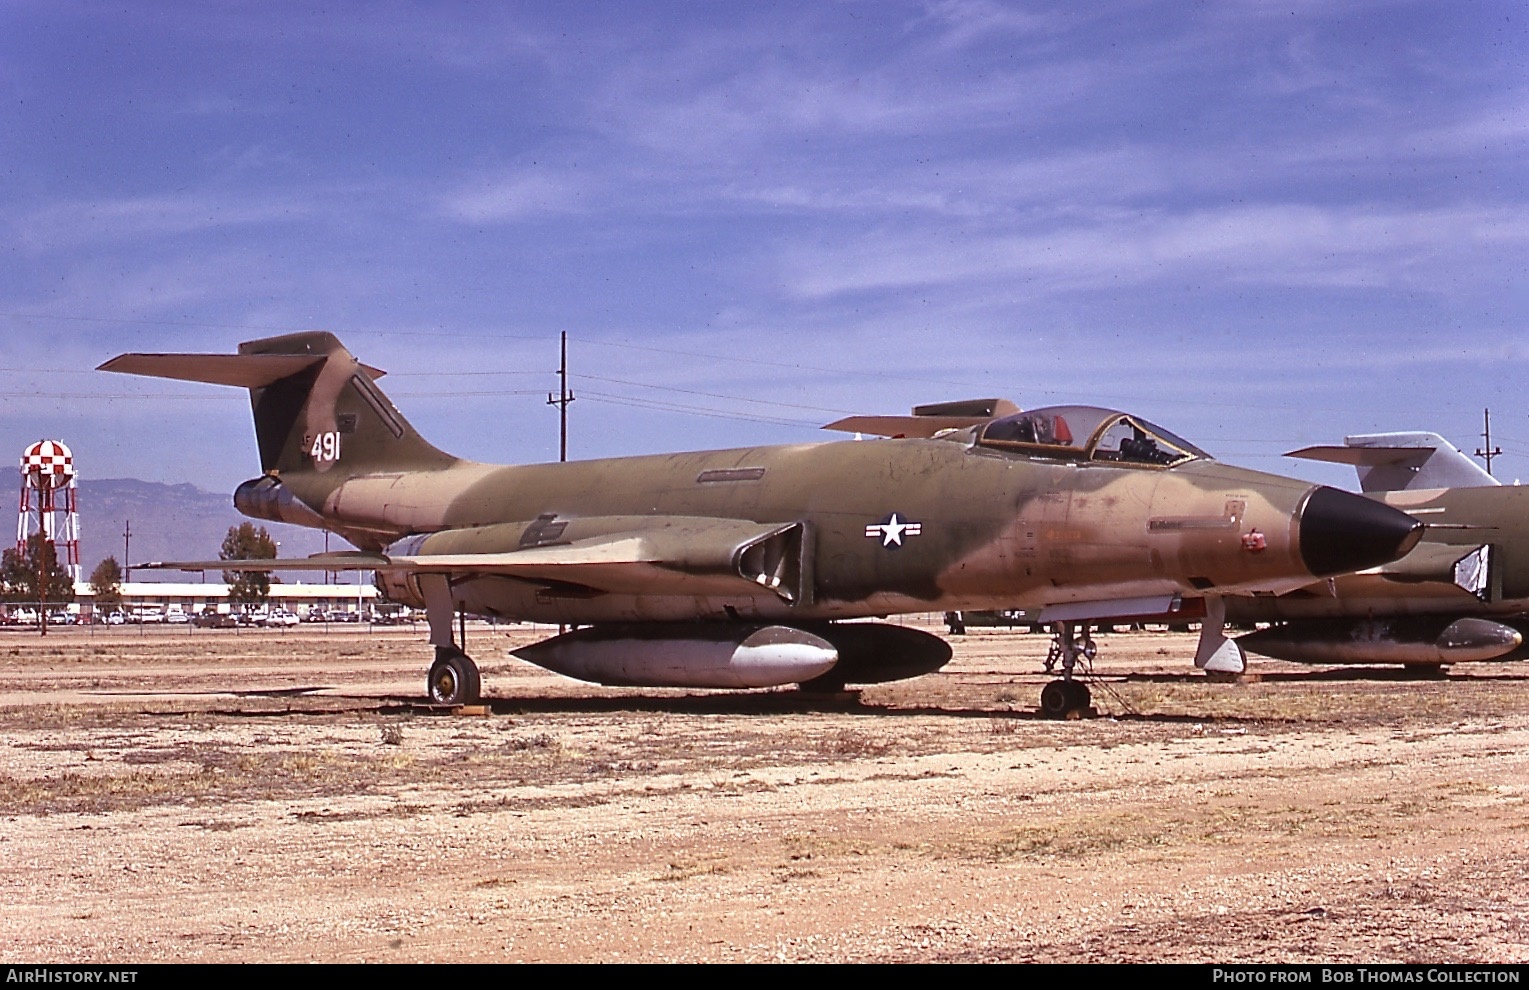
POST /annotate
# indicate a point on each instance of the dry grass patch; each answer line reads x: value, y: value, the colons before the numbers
x: 689, y: 869
x: 852, y: 742
x: 71, y: 792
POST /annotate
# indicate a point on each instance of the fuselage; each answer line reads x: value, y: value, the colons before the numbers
x: 890, y: 525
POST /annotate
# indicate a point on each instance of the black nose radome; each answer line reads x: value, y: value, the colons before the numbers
x: 1342, y: 532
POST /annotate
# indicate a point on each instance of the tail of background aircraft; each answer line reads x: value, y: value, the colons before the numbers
x: 319, y: 416
x: 1393, y: 462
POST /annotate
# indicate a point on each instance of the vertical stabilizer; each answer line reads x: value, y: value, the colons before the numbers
x: 330, y: 416
x: 319, y: 416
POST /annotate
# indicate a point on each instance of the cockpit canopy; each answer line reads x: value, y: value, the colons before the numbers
x: 1085, y: 433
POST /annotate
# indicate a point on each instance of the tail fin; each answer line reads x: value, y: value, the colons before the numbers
x: 1391, y: 462
x: 317, y: 410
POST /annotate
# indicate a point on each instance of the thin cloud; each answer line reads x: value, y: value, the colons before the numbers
x: 76, y: 223
x: 515, y: 197
x: 1276, y: 245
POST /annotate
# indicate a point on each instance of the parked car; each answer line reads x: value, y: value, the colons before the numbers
x: 175, y: 615
x: 280, y: 617
x: 212, y: 619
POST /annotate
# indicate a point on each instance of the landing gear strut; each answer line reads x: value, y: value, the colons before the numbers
x: 1066, y: 695
x: 453, y: 677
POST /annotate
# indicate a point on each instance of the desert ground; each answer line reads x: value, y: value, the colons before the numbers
x: 219, y: 795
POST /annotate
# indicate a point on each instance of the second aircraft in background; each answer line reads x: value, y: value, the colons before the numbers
x: 1462, y: 594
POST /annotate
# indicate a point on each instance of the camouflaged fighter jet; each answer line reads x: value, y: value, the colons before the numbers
x: 736, y: 568
x: 1462, y: 594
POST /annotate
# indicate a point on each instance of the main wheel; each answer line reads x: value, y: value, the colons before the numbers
x: 1078, y: 696
x: 454, y: 679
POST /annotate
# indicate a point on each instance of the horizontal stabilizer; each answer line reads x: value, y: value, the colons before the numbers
x: 1364, y: 456
x: 928, y: 420
x: 243, y: 370
x: 970, y: 408
x: 240, y: 370
x: 922, y: 427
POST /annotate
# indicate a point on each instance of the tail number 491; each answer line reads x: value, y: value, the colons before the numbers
x: 326, y: 446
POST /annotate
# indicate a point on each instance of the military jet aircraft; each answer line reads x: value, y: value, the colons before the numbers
x: 1462, y: 594
x: 740, y: 568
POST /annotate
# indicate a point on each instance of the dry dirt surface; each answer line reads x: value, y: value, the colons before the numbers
x: 218, y: 796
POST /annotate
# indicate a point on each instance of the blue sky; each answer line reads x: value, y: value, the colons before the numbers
x: 1261, y: 225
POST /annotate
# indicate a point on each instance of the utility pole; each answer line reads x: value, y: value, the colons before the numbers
x: 561, y: 400
x: 127, y: 551
x: 1488, y: 452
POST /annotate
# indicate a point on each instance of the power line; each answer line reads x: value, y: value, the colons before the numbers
x: 716, y: 395
x: 622, y: 400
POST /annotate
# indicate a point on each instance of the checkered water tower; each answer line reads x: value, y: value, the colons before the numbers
x: 47, y: 469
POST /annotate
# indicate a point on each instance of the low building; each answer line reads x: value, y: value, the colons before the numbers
x: 196, y: 596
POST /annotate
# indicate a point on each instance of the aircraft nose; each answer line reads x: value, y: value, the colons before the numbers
x: 1343, y: 532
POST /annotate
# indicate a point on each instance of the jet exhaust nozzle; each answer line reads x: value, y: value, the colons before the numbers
x: 1342, y: 532
x: 267, y: 498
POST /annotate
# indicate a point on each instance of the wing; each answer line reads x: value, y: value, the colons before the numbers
x: 660, y: 555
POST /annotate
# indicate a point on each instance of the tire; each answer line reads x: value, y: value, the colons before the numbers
x: 1056, y: 699
x: 454, y: 680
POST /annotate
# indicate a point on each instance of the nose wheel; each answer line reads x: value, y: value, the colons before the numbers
x: 1061, y: 697
x: 453, y: 678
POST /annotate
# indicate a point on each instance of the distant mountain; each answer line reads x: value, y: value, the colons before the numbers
x: 170, y: 522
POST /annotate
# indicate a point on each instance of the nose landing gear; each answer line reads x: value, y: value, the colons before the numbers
x: 1062, y: 697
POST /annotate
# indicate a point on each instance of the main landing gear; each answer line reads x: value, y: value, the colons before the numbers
x: 453, y: 677
x: 1062, y: 697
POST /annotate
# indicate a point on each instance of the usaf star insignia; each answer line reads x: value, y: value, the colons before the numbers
x: 892, y: 530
